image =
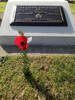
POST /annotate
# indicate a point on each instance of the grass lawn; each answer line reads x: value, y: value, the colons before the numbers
x: 3, y: 5
x: 53, y: 78
x: 72, y: 8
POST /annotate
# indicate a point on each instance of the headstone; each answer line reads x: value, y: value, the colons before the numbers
x: 49, y: 22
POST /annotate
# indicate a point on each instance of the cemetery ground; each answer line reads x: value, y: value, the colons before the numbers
x: 53, y: 77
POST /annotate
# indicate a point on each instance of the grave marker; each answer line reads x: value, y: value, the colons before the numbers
x: 49, y: 22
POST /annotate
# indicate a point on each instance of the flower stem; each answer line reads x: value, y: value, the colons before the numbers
x: 26, y: 63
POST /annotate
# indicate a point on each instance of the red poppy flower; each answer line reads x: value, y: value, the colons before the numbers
x: 21, y: 41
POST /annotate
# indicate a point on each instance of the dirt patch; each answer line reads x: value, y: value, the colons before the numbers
x: 1, y: 15
x: 74, y: 16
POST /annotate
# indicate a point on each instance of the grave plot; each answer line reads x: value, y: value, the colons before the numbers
x: 49, y: 22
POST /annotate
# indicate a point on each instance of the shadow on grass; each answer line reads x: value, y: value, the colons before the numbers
x: 28, y: 75
x: 37, y: 86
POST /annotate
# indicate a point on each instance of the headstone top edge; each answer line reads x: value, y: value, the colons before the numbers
x: 36, y: 0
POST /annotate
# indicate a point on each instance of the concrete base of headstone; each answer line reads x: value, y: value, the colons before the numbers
x: 48, y: 35
x: 44, y: 41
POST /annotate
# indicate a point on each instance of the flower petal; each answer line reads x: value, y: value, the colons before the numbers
x: 21, y: 39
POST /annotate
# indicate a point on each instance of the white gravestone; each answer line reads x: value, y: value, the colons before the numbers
x: 49, y: 22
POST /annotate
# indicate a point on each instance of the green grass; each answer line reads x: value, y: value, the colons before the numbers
x: 3, y: 5
x: 72, y: 8
x: 53, y: 76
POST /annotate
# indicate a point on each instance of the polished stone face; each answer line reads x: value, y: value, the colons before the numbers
x: 39, y: 16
